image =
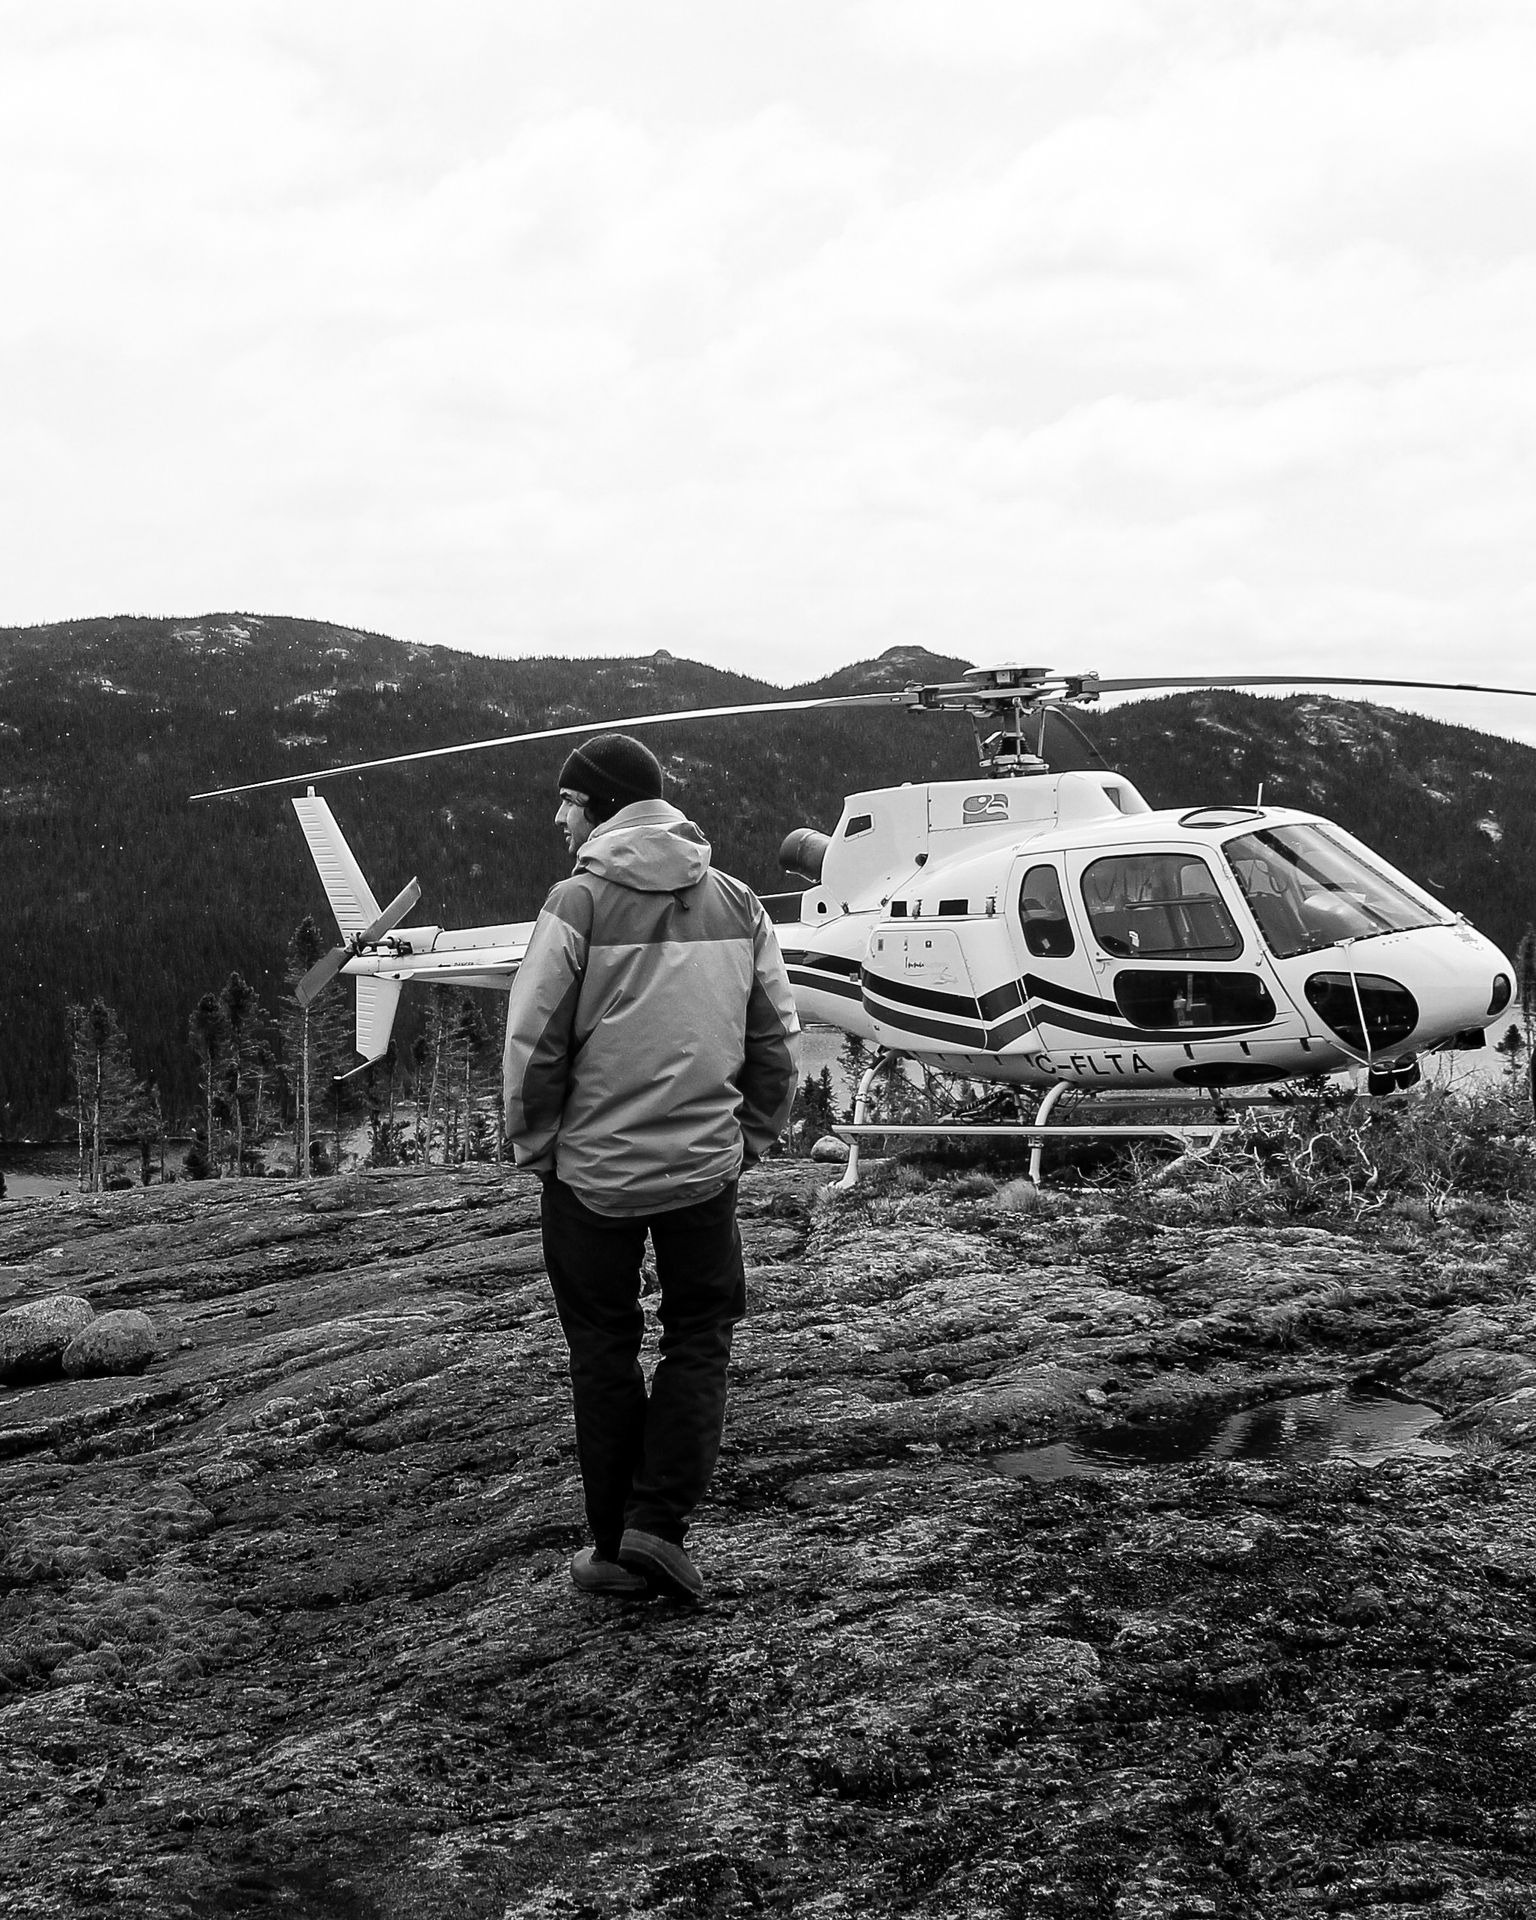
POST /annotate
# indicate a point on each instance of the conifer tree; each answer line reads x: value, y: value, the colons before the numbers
x: 854, y: 1058
x: 467, y: 1044
x: 420, y: 1052
x: 499, y: 1054
x: 1525, y: 993
x: 305, y: 947
x: 265, y: 1072
x: 438, y: 1027
x: 147, y: 1128
x: 1512, y: 1046
x: 109, y: 1103
x: 205, y: 1036
x: 241, y: 1013
x: 316, y: 1038
x: 75, y: 1032
x: 379, y: 1095
x: 813, y: 1113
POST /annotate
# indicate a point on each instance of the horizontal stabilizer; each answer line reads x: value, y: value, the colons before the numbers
x: 376, y: 1003
x: 350, y: 895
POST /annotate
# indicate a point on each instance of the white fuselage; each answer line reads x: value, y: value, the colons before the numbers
x: 1056, y: 929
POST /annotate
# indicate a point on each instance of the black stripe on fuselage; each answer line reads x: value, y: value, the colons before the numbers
x: 995, y: 1002
x: 1058, y: 996
x: 972, y: 1038
x: 820, y: 982
x: 1007, y: 1031
x: 959, y: 1006
x: 991, y: 1039
x: 1000, y: 1000
x: 825, y: 962
x: 1056, y: 1006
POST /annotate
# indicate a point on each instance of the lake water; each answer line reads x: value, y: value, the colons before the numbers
x: 38, y: 1173
x: 45, y: 1173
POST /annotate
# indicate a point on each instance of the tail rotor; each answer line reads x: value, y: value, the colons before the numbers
x: 325, y: 969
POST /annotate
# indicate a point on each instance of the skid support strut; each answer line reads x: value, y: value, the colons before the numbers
x: 1046, y: 1108
x: 1037, y: 1131
x: 881, y: 1061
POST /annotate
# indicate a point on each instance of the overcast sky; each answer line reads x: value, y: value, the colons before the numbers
x: 1176, y: 335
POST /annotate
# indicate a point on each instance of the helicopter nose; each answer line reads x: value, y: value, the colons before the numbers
x: 1410, y: 990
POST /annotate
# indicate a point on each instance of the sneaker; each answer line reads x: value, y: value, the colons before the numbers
x: 595, y: 1575
x: 662, y: 1562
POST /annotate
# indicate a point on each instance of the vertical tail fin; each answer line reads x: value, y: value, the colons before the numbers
x: 350, y: 895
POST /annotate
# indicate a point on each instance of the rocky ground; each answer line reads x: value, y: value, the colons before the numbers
x: 286, y: 1628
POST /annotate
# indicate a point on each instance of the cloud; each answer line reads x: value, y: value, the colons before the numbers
x: 1174, y: 335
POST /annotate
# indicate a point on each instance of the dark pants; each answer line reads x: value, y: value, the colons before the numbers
x: 645, y: 1461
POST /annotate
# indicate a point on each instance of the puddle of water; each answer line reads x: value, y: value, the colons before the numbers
x: 1358, y: 1424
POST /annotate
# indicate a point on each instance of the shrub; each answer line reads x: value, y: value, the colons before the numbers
x: 1416, y: 1153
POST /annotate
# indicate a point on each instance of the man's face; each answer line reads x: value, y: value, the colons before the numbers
x: 572, y: 818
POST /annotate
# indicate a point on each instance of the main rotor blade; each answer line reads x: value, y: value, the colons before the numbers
x: 326, y: 968
x: 1297, y: 680
x: 961, y: 696
x: 624, y: 724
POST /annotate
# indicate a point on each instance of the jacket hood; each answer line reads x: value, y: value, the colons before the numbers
x: 648, y: 846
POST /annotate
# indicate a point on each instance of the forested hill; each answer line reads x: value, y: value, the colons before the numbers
x: 117, y: 886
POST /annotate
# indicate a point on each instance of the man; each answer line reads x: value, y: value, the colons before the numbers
x: 650, y: 1054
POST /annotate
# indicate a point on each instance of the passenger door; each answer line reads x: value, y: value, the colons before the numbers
x: 1058, y: 980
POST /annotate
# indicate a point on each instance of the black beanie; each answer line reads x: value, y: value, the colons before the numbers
x: 613, y: 767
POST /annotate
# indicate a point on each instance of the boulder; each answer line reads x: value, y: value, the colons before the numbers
x: 119, y: 1342
x: 830, y: 1148
x: 33, y: 1337
x: 1459, y: 1376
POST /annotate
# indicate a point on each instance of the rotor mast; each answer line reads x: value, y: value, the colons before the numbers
x: 999, y: 702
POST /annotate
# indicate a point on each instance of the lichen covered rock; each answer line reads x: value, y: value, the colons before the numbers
x: 33, y: 1337
x: 288, y: 1624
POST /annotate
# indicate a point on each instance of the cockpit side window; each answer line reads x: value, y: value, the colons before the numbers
x: 1043, y: 914
x: 1159, y: 905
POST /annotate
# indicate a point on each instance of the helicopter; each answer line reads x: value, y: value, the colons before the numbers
x: 1044, y: 931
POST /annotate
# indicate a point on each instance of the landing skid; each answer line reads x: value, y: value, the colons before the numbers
x: 1038, y: 1130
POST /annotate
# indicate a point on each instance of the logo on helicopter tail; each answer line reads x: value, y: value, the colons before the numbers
x: 978, y: 808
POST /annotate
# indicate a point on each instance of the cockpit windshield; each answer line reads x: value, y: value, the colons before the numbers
x: 1308, y: 890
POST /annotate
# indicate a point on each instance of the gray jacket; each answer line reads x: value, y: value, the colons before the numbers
x: 651, y: 1031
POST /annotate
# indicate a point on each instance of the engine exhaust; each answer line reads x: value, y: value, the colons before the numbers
x: 804, y: 851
